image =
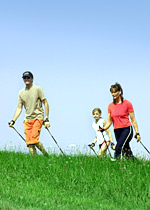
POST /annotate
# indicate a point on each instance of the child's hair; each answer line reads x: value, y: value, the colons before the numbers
x: 97, y: 109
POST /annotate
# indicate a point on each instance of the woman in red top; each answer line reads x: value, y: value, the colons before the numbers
x: 118, y: 114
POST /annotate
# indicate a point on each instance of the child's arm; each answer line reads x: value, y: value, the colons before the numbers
x: 95, y: 140
x: 93, y: 144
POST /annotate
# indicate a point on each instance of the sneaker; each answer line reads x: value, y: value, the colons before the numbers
x: 113, y: 159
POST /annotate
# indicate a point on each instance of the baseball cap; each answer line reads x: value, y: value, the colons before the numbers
x: 27, y: 74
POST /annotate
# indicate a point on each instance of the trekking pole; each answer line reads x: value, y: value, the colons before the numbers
x: 55, y: 142
x: 145, y: 147
x: 93, y: 151
x: 18, y: 133
x: 142, y: 145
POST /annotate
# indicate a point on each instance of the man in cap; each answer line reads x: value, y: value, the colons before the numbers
x: 32, y: 97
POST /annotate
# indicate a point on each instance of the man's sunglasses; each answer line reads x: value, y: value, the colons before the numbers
x: 26, y: 77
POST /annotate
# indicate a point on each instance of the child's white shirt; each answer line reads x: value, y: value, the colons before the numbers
x: 100, y: 137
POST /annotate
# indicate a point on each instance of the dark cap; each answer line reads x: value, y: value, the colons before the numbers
x: 27, y: 74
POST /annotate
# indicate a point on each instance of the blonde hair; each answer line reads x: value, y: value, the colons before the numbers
x: 97, y: 109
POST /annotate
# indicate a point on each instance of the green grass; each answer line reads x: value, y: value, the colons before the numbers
x: 74, y: 182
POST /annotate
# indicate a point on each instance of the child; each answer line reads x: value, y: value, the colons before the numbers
x: 104, y: 138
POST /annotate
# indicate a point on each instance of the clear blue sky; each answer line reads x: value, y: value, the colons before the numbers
x: 76, y: 51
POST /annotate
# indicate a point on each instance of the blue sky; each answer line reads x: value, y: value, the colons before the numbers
x: 76, y: 51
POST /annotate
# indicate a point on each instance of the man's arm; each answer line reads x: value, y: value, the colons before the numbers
x: 46, y: 121
x: 16, y: 115
x: 46, y: 108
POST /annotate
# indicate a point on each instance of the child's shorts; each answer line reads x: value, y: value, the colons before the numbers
x: 104, y: 144
x: 32, y: 131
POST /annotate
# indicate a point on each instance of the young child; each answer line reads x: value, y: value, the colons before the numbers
x: 104, y: 138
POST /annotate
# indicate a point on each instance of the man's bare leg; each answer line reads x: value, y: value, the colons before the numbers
x: 41, y: 148
x: 32, y: 149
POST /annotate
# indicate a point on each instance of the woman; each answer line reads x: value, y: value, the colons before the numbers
x: 118, y: 114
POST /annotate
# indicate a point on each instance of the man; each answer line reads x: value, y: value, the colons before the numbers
x: 32, y: 97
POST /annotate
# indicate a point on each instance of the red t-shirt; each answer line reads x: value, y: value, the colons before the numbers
x: 120, y: 114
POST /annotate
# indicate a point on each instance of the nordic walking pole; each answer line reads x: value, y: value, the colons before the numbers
x: 94, y: 151
x: 18, y: 133
x: 145, y: 147
x: 142, y: 145
x: 55, y: 142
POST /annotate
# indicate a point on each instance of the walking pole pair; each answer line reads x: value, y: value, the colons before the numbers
x: 49, y: 133
x: 105, y: 143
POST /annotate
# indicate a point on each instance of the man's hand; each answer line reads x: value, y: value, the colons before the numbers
x: 11, y: 123
x: 46, y: 123
x: 138, y: 137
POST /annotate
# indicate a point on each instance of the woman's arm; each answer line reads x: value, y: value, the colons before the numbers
x: 134, y: 123
x: 109, y: 133
x: 108, y: 123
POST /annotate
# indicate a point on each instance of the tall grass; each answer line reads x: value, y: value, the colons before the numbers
x: 76, y: 182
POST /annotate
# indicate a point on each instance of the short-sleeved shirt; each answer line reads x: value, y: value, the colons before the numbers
x: 101, y: 137
x: 31, y: 99
x: 120, y: 114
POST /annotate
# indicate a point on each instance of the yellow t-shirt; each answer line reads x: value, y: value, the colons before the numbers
x: 31, y: 99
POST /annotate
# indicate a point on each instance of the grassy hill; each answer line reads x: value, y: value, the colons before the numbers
x: 77, y: 182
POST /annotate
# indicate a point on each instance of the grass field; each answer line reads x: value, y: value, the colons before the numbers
x: 76, y: 182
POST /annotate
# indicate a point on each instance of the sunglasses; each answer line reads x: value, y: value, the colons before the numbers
x: 26, y: 77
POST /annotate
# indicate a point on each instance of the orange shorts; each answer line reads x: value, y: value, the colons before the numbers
x: 32, y: 131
